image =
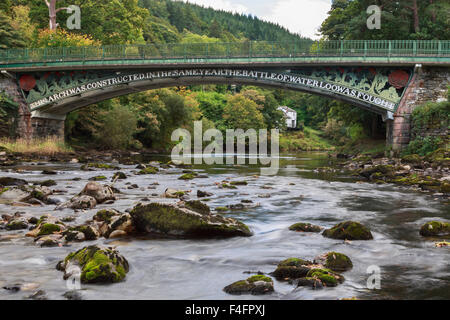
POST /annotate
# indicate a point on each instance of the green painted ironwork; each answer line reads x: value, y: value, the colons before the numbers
x: 434, y: 50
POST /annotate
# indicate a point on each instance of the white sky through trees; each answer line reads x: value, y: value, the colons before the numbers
x: 298, y: 16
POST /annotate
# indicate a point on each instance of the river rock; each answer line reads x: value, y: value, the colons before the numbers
x: 97, y: 264
x: 348, y: 230
x: 17, y: 224
x: 47, y: 225
x: 190, y: 220
x: 173, y: 193
x: 334, y: 261
x: 99, y: 192
x: 255, y: 285
x: 435, y: 228
x: 79, y: 202
x: 13, y: 194
x: 305, y: 227
x: 327, y: 277
x: 8, y: 181
x: 202, y: 194
x: 292, y: 268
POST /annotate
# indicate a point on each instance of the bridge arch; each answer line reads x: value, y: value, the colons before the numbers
x: 54, y: 94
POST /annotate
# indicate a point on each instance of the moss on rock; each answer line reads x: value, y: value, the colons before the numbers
x: 97, y: 264
x: 148, y: 170
x: 335, y: 261
x: 188, y: 176
x: 175, y: 220
x: 255, y: 285
x: 348, y: 230
x: 292, y: 268
x: 49, y: 228
x: 305, y: 227
x: 435, y: 228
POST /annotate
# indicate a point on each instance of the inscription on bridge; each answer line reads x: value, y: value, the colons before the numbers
x: 41, y: 91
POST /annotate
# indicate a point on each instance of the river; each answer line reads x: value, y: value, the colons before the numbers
x: 411, y: 267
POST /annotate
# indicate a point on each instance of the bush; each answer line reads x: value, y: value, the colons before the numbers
x: 117, y: 128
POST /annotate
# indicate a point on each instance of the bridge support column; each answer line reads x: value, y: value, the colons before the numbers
x: 8, y: 85
x: 47, y: 125
x: 428, y: 84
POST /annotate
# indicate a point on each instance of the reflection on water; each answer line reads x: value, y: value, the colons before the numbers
x: 198, y: 269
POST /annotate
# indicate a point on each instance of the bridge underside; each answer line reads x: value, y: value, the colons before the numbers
x: 51, y: 95
x: 54, y: 94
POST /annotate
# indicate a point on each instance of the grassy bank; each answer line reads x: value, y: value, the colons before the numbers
x: 365, y: 146
x: 44, y: 146
x: 306, y: 140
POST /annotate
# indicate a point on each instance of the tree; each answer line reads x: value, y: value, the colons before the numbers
x: 52, y: 11
x: 9, y: 38
x: 242, y: 113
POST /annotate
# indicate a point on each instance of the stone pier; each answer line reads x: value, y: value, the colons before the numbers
x: 427, y: 84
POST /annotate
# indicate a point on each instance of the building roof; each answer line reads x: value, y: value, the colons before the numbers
x: 286, y: 109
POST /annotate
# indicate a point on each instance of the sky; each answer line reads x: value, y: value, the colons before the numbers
x: 298, y: 16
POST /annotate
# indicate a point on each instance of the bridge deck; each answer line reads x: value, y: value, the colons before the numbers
x: 356, y: 52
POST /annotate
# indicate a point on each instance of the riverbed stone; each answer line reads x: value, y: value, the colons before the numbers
x: 255, y: 285
x: 17, y: 224
x: 8, y: 181
x: 101, y: 193
x: 185, y: 220
x: 334, y: 261
x: 305, y: 227
x: 292, y: 268
x: 348, y: 230
x: 435, y: 228
x: 97, y: 264
x: 80, y: 202
x: 326, y: 276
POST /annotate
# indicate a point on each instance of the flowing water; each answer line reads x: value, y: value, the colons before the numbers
x: 411, y: 267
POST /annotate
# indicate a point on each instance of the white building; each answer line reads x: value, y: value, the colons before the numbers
x: 290, y: 116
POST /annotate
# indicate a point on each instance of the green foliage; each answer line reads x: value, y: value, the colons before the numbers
x: 400, y: 21
x: 242, y: 113
x: 8, y: 114
x: 429, y: 117
x: 117, y: 128
x: 9, y: 37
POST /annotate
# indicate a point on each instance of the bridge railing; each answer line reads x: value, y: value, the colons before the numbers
x: 248, y: 49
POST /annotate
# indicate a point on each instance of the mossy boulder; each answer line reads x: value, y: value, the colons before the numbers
x: 102, y: 166
x: 227, y: 186
x: 179, y: 220
x: 326, y: 276
x: 413, y: 159
x: 98, y: 178
x: 305, y: 227
x: 188, y: 176
x: 255, y: 285
x: 292, y: 268
x: 238, y: 183
x: 8, y: 181
x: 435, y: 228
x: 47, y: 225
x: 17, y: 224
x: 148, y: 170
x: 105, y: 215
x: 47, y: 183
x: 49, y: 228
x: 97, y: 264
x: 348, y: 230
x: 378, y: 171
x: 119, y: 176
x: 334, y: 261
